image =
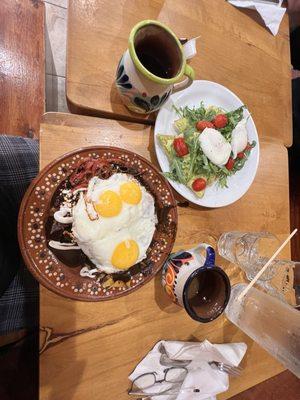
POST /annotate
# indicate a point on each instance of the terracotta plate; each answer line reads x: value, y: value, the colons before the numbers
x: 63, y: 279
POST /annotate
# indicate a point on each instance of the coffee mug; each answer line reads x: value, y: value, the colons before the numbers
x: 194, y: 282
x: 151, y: 67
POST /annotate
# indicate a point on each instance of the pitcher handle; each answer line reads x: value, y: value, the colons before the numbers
x: 190, y: 76
x: 210, y: 254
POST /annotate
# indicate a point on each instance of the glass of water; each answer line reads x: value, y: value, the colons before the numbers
x: 272, y: 324
x: 251, y: 251
x: 283, y: 284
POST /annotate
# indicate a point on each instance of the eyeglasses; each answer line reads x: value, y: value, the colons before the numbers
x: 148, y: 384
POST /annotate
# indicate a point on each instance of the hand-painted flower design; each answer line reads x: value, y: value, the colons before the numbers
x: 149, y: 104
x: 122, y: 79
x: 137, y: 100
x: 178, y: 260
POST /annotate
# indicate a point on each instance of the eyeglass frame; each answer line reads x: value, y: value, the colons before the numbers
x: 141, y: 393
x: 164, y: 393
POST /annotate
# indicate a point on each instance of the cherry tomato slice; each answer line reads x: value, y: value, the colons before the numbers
x: 220, y: 121
x: 180, y: 147
x: 199, y: 184
x: 201, y: 125
x: 240, y: 155
x: 230, y: 164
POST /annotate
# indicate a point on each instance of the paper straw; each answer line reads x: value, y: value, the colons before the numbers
x: 258, y: 275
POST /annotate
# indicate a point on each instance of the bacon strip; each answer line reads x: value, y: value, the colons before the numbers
x: 89, y: 168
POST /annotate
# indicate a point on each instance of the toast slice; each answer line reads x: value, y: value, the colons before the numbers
x: 166, y: 142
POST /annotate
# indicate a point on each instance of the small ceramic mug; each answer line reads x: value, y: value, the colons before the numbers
x: 194, y: 282
x: 151, y: 67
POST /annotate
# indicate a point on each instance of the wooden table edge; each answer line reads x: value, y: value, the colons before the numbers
x: 92, y: 112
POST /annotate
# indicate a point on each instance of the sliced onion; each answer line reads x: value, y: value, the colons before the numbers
x: 90, y: 273
x: 63, y: 246
x: 60, y: 215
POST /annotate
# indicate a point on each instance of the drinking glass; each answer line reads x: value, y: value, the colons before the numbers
x: 272, y: 324
x: 281, y: 285
x: 251, y: 251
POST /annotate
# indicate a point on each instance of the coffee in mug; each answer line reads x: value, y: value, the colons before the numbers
x: 196, y: 283
x: 151, y: 67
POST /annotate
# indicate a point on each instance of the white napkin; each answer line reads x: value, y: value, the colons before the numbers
x: 200, y: 374
x: 189, y: 48
x: 272, y: 14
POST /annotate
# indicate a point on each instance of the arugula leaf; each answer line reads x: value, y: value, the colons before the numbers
x: 195, y: 114
x: 240, y: 162
x: 176, y: 166
x: 222, y: 175
x: 234, y: 117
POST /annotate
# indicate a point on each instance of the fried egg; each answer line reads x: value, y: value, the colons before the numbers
x: 215, y: 146
x: 114, y: 222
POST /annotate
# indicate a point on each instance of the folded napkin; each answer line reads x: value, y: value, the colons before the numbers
x: 200, y: 375
x: 272, y: 14
x: 189, y: 48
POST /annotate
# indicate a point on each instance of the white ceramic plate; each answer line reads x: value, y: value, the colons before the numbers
x: 210, y: 93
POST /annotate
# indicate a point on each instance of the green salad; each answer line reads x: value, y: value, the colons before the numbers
x: 210, y: 145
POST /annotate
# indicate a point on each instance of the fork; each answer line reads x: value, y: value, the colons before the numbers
x: 229, y: 369
x: 167, y: 362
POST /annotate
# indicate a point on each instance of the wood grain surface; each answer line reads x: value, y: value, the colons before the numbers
x: 88, y: 350
x: 235, y: 49
x: 22, y: 67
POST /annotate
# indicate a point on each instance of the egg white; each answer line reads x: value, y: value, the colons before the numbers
x: 239, y: 137
x: 215, y: 146
x: 98, y: 238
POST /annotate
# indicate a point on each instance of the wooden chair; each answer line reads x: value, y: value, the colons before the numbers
x: 22, y: 67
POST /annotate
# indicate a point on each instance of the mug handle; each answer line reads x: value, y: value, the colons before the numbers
x: 210, y: 254
x: 190, y: 76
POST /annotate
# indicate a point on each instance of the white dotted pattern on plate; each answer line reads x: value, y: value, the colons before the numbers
x: 36, y: 243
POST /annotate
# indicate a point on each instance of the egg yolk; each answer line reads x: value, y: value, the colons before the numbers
x: 109, y: 204
x: 130, y: 193
x: 125, y: 254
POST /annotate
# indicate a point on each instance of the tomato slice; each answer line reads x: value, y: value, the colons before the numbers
x: 180, y: 147
x: 199, y: 184
x: 230, y: 164
x: 201, y: 125
x: 220, y: 121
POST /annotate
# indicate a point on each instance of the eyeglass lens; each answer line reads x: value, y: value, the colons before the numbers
x: 175, y: 375
x: 144, y: 381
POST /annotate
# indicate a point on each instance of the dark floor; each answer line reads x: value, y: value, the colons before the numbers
x: 19, y: 367
x: 294, y: 174
x: 283, y: 386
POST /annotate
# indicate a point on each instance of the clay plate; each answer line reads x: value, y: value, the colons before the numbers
x: 34, y: 212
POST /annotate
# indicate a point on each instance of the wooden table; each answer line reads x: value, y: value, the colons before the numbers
x: 235, y: 50
x: 89, y: 349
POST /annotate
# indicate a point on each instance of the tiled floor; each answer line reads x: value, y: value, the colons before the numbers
x: 55, y: 46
